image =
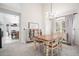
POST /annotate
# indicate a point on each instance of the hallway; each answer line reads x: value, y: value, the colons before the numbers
x: 21, y: 49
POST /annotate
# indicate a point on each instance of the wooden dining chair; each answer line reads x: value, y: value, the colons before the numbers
x: 37, y: 42
x: 54, y: 47
x: 51, y: 47
x: 58, y: 45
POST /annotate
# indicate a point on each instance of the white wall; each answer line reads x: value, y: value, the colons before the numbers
x: 29, y: 13
x: 61, y: 9
x: 64, y: 9
x: 39, y: 13
x: 16, y: 7
x: 46, y: 11
x: 33, y: 12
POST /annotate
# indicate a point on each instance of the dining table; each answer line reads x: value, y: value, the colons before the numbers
x: 46, y: 39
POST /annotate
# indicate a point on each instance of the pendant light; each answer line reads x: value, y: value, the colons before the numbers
x: 51, y: 14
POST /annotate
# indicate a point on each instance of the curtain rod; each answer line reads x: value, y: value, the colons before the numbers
x: 65, y: 15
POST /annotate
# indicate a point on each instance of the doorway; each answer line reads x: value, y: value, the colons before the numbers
x: 10, y: 27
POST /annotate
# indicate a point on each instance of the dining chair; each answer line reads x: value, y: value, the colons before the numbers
x: 37, y: 42
x: 54, y: 47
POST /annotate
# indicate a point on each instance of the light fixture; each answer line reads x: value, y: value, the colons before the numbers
x: 51, y: 13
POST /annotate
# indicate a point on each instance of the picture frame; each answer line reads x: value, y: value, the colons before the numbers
x: 33, y: 25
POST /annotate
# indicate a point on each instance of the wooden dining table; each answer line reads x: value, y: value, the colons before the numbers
x: 47, y: 39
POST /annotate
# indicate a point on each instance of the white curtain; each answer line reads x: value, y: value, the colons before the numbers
x: 69, y: 28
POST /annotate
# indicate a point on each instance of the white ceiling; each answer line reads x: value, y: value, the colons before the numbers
x: 12, y: 18
x: 59, y: 8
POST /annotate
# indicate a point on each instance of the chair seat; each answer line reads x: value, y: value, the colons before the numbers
x: 40, y: 41
x: 51, y: 46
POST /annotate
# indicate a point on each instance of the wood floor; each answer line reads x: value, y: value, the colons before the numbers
x: 21, y: 49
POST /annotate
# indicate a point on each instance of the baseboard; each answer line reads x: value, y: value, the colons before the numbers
x: 29, y: 41
x: 66, y: 43
x: 76, y: 44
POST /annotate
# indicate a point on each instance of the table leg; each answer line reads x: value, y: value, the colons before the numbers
x: 47, y: 49
x: 51, y: 51
x: 44, y: 48
x: 34, y: 44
